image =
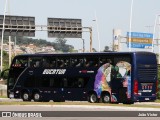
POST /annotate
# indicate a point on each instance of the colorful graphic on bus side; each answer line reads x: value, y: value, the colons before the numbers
x: 108, y: 73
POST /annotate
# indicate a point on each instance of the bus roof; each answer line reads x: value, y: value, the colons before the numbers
x: 85, y: 54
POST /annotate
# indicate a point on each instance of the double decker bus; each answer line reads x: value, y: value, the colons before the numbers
x: 117, y: 77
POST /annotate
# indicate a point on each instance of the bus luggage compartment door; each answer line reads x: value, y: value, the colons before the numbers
x: 58, y: 94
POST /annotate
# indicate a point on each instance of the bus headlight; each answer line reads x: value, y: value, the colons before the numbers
x: 17, y: 92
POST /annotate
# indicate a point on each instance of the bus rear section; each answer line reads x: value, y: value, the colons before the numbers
x: 145, y: 81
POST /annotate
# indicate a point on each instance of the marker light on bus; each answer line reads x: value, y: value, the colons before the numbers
x: 135, y: 87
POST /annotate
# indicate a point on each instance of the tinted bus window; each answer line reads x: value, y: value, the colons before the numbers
x: 48, y: 62
x: 63, y: 62
x: 91, y: 61
x: 35, y: 61
x: 72, y: 82
x: 77, y: 62
x: 103, y: 60
x: 49, y: 82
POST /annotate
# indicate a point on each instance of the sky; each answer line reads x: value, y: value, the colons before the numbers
x: 111, y: 14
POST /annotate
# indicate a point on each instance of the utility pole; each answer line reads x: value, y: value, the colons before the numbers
x: 99, y: 42
x: 130, y: 26
x: 15, y: 39
x: 83, y: 45
x: 10, y: 54
x: 3, y: 29
x: 90, y: 30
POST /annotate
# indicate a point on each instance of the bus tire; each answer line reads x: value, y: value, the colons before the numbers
x: 106, y: 98
x: 92, y: 98
x: 36, y: 97
x: 25, y: 96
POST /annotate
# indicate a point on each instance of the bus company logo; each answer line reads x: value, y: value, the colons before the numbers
x: 54, y: 71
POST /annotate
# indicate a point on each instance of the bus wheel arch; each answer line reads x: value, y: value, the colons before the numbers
x: 92, y: 97
x: 105, y: 97
x: 25, y: 95
x: 36, y: 95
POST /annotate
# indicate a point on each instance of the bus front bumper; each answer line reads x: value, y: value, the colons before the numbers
x: 11, y: 95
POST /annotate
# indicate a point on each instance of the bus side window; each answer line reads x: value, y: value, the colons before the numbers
x: 80, y: 82
x: 65, y: 82
x: 104, y: 60
x: 77, y: 62
x: 35, y: 62
x: 66, y: 62
x: 60, y: 63
x: 74, y: 62
x: 45, y: 63
x: 53, y: 63
x: 91, y: 62
x: 48, y: 62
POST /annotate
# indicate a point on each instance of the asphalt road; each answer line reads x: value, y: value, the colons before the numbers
x: 79, y: 108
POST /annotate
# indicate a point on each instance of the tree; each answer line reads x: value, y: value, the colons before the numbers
x: 106, y: 49
x: 94, y: 50
x: 62, y: 46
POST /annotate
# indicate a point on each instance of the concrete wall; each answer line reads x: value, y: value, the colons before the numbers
x: 3, y: 90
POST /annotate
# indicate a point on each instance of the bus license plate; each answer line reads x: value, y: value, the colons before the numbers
x: 146, y: 98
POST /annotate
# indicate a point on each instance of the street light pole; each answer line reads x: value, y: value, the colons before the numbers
x: 130, y: 26
x: 3, y: 35
x: 10, y: 52
x: 154, y: 30
x: 99, y: 44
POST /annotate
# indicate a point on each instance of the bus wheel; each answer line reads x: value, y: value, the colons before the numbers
x: 92, y: 98
x: 106, y: 98
x: 36, y: 97
x: 25, y: 97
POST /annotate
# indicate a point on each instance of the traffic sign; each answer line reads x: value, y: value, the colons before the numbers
x: 65, y: 28
x: 140, y: 35
x: 18, y: 26
x: 140, y: 40
x: 140, y: 45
